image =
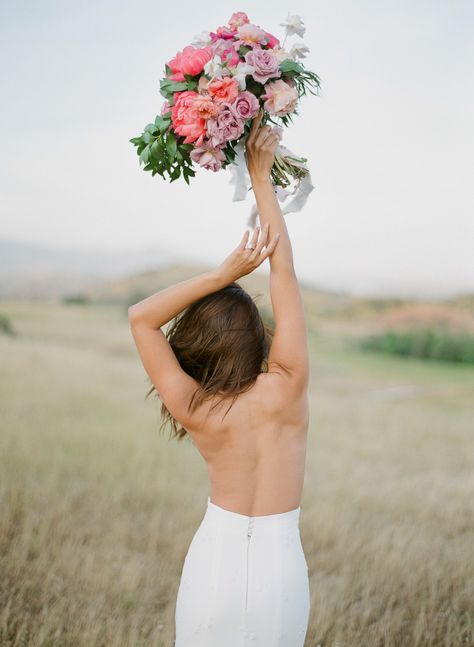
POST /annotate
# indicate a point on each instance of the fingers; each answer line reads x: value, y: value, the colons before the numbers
x: 254, y: 127
x: 270, y: 141
x: 262, y: 242
x: 259, y: 254
x: 253, y: 242
x: 262, y: 135
x: 244, y: 240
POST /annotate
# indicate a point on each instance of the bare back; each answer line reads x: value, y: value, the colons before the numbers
x: 256, y: 456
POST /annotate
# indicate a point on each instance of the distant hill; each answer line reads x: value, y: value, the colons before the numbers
x: 38, y: 272
x: 323, y: 308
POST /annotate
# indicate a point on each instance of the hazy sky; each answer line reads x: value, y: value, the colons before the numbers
x: 390, y: 140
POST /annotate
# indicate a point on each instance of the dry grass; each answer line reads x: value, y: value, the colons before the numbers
x: 97, y: 509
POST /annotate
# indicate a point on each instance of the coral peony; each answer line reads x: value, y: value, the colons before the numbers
x: 186, y: 119
x: 225, y: 89
x: 190, y: 61
x: 206, y: 107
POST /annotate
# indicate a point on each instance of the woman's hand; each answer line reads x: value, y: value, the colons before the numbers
x: 243, y: 259
x: 260, y: 147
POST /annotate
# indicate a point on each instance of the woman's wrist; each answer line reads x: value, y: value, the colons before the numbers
x: 260, y: 180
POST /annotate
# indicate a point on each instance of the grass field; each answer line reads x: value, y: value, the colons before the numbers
x: 97, y: 509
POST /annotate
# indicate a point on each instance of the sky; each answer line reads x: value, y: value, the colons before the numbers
x: 389, y: 140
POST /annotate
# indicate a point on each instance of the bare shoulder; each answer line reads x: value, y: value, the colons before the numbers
x: 278, y: 391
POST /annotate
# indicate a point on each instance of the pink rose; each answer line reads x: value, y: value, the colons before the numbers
x: 227, y: 126
x: 190, y: 61
x: 165, y: 107
x: 251, y: 34
x: 238, y: 19
x: 185, y: 118
x: 246, y: 105
x: 265, y: 64
x: 281, y: 97
x: 208, y: 156
x: 225, y: 89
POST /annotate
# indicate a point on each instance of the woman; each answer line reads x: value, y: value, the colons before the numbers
x: 245, y: 576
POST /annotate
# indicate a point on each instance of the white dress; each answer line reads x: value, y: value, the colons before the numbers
x: 244, y: 581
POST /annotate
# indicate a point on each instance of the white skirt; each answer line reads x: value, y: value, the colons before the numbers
x: 244, y: 581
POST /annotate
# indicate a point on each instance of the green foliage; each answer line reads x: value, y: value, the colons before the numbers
x: 424, y: 343
x: 162, y: 152
x: 6, y: 326
x: 304, y: 79
x: 81, y: 299
x: 243, y: 49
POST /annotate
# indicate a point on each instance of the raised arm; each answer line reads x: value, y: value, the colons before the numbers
x: 289, y: 350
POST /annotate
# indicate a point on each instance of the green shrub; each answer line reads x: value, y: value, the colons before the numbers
x: 423, y: 343
x: 6, y: 326
x: 81, y: 299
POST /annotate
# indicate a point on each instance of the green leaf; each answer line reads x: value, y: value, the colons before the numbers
x: 174, y: 175
x: 289, y: 65
x: 145, y: 155
x: 163, y: 123
x: 173, y: 86
x: 171, y: 145
x: 157, y: 150
x: 243, y: 49
x: 135, y: 140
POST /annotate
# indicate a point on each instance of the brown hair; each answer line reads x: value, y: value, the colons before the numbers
x: 222, y: 341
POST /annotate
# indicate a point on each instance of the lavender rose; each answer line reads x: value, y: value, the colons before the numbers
x: 208, y: 156
x: 246, y: 105
x: 227, y: 126
x: 265, y: 64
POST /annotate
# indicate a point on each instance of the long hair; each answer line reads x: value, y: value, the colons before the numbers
x: 222, y: 341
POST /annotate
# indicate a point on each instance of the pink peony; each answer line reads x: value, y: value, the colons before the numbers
x: 208, y: 156
x: 272, y: 40
x: 227, y: 126
x: 185, y: 118
x: 238, y: 19
x: 251, y: 34
x: 225, y: 89
x: 281, y: 98
x: 190, y: 61
x: 222, y: 33
x: 246, y: 105
x: 265, y: 64
x: 231, y: 56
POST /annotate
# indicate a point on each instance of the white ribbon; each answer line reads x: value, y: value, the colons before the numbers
x: 241, y: 178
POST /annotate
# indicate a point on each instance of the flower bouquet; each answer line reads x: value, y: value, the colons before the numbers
x: 213, y: 89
